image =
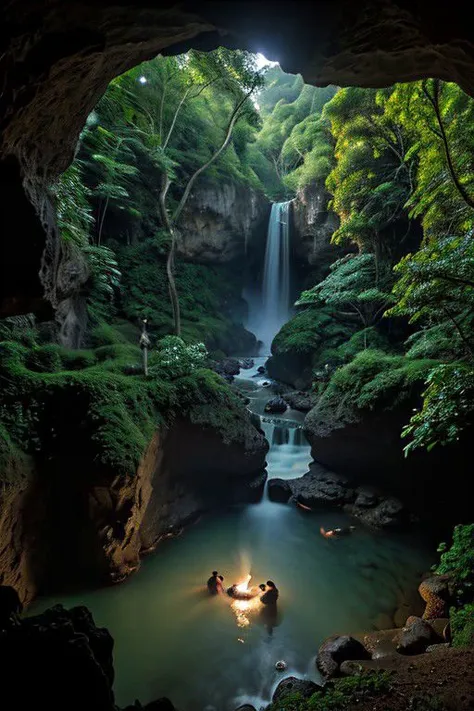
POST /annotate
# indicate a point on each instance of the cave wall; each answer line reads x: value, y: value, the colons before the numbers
x: 57, y: 59
x: 72, y: 522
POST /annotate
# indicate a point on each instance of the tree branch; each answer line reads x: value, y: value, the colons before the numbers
x: 434, y: 101
x: 232, y: 121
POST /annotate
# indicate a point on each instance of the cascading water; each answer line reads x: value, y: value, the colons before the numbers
x: 271, y: 309
x: 169, y: 633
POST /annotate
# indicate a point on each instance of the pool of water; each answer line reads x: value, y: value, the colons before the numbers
x: 172, y: 639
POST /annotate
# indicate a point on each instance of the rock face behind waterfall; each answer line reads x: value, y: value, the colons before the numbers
x: 314, y: 225
x: 219, y: 221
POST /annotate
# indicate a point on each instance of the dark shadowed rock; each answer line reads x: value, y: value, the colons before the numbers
x: 299, y: 400
x: 261, y: 369
x: 435, y: 592
x: 292, y: 685
x: 276, y: 404
x: 366, y: 497
x: 416, y: 636
x: 279, y: 490
x: 58, y: 660
x: 389, y: 513
x: 338, y: 649
x: 247, y: 363
x: 319, y: 487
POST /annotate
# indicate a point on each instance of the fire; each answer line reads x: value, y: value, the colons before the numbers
x: 243, y: 587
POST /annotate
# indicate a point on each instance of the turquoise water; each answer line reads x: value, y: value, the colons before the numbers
x: 171, y: 639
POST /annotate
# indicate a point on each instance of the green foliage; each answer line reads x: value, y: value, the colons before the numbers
x: 355, y: 283
x: 106, y: 335
x: 176, y: 359
x: 373, y: 379
x: 339, y: 694
x: 45, y: 359
x: 106, y: 411
x: 458, y: 562
x: 462, y: 626
x: 212, y: 308
x: 447, y: 407
x: 18, y: 328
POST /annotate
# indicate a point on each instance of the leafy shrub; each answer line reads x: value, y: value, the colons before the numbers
x: 175, y: 359
x: 77, y: 360
x: 458, y: 561
x: 462, y: 626
x: 339, y: 694
x: 105, y: 335
x: 447, y: 409
x: 45, y: 359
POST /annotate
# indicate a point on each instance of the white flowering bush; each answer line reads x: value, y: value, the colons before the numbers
x: 176, y: 359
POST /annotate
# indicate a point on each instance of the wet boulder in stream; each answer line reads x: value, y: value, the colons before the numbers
x: 279, y: 490
x: 276, y: 405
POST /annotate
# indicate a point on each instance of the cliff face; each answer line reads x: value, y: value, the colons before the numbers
x: 313, y: 226
x: 219, y: 221
x: 66, y: 522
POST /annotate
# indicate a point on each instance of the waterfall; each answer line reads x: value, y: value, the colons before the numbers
x: 274, y: 309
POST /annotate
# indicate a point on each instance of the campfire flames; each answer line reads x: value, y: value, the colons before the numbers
x: 243, y: 587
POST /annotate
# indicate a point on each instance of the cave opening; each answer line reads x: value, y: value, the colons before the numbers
x: 243, y: 295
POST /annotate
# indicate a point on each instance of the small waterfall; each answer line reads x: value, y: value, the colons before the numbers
x: 274, y: 310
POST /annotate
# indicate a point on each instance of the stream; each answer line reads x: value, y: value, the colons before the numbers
x: 206, y: 653
x: 213, y: 654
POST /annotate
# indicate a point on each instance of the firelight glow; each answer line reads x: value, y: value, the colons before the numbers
x: 243, y: 587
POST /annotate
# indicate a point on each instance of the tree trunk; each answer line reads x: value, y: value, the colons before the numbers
x: 172, y: 285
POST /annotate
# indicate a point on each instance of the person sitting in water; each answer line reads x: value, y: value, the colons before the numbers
x: 214, y: 584
x: 270, y: 596
x: 336, y: 531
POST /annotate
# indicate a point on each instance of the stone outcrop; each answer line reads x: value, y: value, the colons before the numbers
x: 293, y: 685
x: 336, y: 650
x: 72, y: 523
x: 58, y: 660
x: 321, y: 487
x: 313, y: 226
x: 367, y: 448
x: 435, y: 592
x: 416, y: 636
x: 219, y: 221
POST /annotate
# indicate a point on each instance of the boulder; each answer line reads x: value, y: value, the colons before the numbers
x: 247, y: 363
x: 389, y: 513
x: 416, y: 636
x: 336, y: 650
x: 322, y: 487
x: 300, y: 400
x: 350, y: 668
x: 435, y: 592
x: 366, y: 497
x: 261, y: 370
x: 292, y: 685
x: 58, y: 660
x: 279, y: 490
x: 230, y: 366
x: 276, y: 404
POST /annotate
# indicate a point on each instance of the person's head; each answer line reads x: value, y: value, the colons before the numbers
x: 271, y: 584
x: 221, y: 577
x: 262, y: 586
x: 214, y: 573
